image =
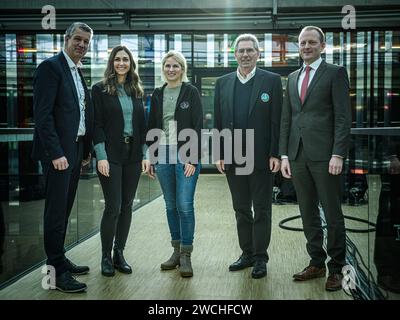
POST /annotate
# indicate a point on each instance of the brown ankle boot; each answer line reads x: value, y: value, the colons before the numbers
x: 186, y: 265
x: 173, y: 261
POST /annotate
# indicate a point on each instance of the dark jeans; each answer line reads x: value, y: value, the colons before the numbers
x: 61, y: 188
x: 247, y: 191
x: 119, y: 190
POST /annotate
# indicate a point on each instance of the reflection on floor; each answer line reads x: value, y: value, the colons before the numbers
x: 215, y: 247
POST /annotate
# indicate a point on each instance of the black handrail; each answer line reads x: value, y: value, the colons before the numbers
x: 377, y: 131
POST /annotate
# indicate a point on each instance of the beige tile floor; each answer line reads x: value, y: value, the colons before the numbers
x: 215, y: 247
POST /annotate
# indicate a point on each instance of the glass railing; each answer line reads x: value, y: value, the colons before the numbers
x: 372, y: 205
x: 22, y: 204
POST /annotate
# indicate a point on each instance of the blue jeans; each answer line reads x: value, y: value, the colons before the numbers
x: 178, y: 192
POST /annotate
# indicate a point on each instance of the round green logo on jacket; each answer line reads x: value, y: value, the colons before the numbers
x: 264, y: 97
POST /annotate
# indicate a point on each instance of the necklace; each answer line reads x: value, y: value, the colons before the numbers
x: 171, y: 94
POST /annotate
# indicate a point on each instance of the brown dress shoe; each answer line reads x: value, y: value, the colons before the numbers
x: 334, y: 282
x: 310, y: 272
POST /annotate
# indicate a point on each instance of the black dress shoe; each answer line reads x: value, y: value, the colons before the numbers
x: 242, y: 263
x: 259, y: 270
x: 66, y: 283
x: 107, y: 268
x: 120, y: 263
x: 77, y: 270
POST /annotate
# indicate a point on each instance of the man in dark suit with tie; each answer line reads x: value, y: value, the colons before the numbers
x: 315, y: 132
x: 250, y: 99
x: 63, y: 137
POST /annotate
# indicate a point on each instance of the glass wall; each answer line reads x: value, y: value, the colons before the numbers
x: 371, y: 58
x: 372, y: 211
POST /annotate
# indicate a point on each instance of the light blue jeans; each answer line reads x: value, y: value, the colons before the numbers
x: 178, y: 192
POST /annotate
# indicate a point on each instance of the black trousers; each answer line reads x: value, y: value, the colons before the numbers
x: 314, y: 185
x: 61, y: 188
x: 247, y: 191
x: 119, y: 190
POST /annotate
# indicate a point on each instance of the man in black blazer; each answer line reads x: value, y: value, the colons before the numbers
x: 315, y: 132
x: 63, y: 137
x: 250, y: 99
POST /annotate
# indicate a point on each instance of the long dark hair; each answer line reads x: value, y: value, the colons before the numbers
x: 132, y: 86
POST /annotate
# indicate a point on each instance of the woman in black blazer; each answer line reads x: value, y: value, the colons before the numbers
x: 119, y: 136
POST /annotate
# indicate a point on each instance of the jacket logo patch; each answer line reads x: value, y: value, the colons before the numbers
x: 264, y: 97
x: 184, y: 105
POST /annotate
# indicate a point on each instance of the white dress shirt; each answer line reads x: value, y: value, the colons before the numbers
x: 244, y: 79
x: 80, y: 91
x: 314, y: 66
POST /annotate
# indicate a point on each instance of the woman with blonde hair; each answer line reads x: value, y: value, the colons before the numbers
x: 174, y: 107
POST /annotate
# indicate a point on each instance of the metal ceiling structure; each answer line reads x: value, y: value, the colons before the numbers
x: 180, y: 15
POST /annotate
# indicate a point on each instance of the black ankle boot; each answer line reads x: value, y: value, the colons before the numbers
x: 107, y: 268
x: 119, y: 262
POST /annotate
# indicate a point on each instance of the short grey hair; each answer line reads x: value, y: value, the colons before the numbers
x: 78, y: 25
x: 180, y: 58
x: 247, y: 37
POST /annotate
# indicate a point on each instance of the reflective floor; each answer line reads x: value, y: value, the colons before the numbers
x: 215, y: 247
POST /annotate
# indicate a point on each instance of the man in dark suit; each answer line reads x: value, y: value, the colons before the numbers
x: 250, y: 99
x: 315, y: 132
x: 63, y: 137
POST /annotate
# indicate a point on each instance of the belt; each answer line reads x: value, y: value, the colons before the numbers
x: 128, y: 140
x: 79, y: 139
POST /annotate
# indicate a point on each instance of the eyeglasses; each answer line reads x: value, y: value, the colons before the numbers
x: 250, y: 51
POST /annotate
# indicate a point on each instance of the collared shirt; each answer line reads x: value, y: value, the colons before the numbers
x: 127, y: 110
x: 314, y: 66
x: 80, y: 91
x: 245, y: 79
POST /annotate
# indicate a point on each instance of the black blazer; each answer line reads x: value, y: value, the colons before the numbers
x: 56, y: 112
x: 188, y: 112
x: 109, y: 124
x: 264, y: 113
x: 323, y: 122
